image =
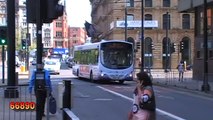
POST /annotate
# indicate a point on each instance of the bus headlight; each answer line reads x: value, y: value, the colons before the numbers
x: 102, y: 74
x: 130, y: 75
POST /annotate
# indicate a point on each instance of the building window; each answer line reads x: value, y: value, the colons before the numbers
x: 129, y: 3
x: 166, y: 55
x: 166, y: 3
x: 148, y: 17
x: 148, y: 3
x: 58, y: 34
x: 47, y: 33
x: 58, y: 24
x: 209, y: 20
x: 148, y: 56
x: 3, y: 10
x: 198, y: 54
x: 130, y: 17
x: 186, y: 21
x: 59, y: 44
x: 166, y: 21
x: 211, y: 54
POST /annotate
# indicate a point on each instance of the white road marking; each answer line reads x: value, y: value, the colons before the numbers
x: 167, y: 97
x: 130, y: 99
x: 102, y: 99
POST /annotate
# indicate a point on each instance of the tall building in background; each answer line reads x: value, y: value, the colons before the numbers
x: 60, y: 32
x: 162, y: 22
x: 77, y: 36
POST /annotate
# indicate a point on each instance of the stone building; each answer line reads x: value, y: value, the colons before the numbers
x: 197, y: 6
x: 161, y: 21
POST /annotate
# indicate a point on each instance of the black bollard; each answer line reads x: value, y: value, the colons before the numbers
x: 66, y: 97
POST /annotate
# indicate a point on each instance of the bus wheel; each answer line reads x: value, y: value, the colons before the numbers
x: 121, y: 81
x: 91, y: 77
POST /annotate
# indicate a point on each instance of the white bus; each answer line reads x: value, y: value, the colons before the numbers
x: 105, y: 60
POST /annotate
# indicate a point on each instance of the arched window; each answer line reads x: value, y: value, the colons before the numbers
x: 148, y: 56
x: 186, y: 50
x: 148, y: 3
x: 166, y: 54
x: 186, y: 21
x: 166, y: 3
x: 166, y: 21
x: 148, y: 17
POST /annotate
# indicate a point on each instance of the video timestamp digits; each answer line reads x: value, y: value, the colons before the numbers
x: 22, y: 105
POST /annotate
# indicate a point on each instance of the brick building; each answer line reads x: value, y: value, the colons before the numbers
x: 77, y: 36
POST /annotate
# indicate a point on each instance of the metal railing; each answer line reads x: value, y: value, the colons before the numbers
x: 20, y: 107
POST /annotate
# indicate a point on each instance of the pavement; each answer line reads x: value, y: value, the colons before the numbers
x: 171, y: 79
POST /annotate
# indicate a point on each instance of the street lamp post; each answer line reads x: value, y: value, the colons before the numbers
x: 205, y: 86
x: 142, y: 35
x: 27, y: 48
x: 167, y: 42
x: 125, y: 23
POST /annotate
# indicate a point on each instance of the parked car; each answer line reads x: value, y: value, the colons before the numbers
x: 71, y: 63
x: 68, y: 59
x: 53, y: 66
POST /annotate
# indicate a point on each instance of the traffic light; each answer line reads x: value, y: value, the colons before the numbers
x: 50, y: 10
x: 181, y: 46
x: 31, y: 11
x: 23, y: 44
x: 138, y: 45
x: 151, y: 46
x: 54, y: 10
x: 172, y: 48
x: 3, y: 35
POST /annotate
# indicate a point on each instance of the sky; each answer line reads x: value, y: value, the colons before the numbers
x: 78, y: 11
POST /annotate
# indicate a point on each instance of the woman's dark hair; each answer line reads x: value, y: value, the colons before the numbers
x: 143, y: 76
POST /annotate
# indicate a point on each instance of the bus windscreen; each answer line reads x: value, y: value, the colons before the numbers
x: 116, y: 55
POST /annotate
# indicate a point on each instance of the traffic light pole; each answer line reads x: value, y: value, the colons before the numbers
x: 142, y: 35
x: 39, y: 35
x: 11, y: 91
x: 3, y: 61
x: 205, y: 86
x: 39, y: 66
x: 27, y: 48
x: 167, y: 44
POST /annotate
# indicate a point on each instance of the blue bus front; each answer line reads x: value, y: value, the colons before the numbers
x: 116, y: 61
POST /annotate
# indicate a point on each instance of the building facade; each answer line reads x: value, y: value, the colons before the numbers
x: 197, y: 7
x: 77, y: 36
x: 60, y: 32
x: 165, y: 29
